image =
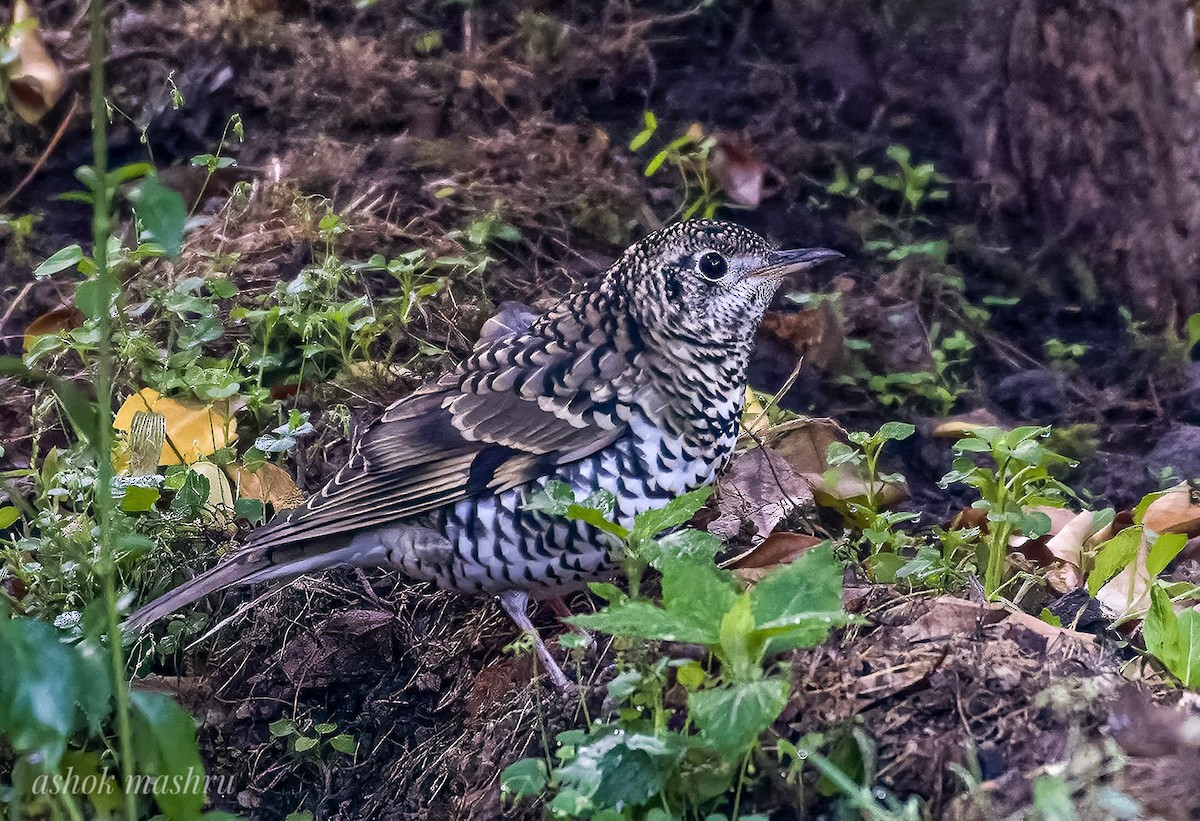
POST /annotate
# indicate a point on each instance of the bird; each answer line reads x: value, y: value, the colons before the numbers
x: 633, y: 383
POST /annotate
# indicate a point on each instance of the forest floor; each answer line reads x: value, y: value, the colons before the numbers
x: 500, y: 135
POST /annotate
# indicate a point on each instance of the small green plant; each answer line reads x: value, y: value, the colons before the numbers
x: 916, y: 185
x: 681, y: 731
x: 1064, y: 356
x: 312, y: 742
x: 1017, y: 480
x: 688, y: 154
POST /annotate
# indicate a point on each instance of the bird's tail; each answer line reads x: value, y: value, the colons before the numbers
x: 254, y: 564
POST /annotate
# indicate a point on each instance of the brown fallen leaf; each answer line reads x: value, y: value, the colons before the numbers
x: 949, y: 616
x: 777, y: 549
x: 814, y: 333
x: 35, y: 81
x: 1176, y: 511
x: 956, y: 427
x: 757, y: 492
x: 60, y: 319
x: 738, y: 169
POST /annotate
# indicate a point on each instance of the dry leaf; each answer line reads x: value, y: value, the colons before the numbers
x: 269, y: 484
x: 738, y: 170
x: 949, y: 616
x: 777, y: 549
x: 1176, y: 511
x: 814, y: 333
x: 758, y: 491
x: 35, y: 81
x: 194, y: 430
x: 52, y: 322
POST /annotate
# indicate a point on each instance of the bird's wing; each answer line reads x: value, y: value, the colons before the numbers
x: 516, y: 410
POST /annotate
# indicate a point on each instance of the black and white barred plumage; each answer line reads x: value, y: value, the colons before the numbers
x: 633, y: 383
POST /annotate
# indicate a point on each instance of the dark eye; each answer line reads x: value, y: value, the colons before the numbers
x: 713, y: 266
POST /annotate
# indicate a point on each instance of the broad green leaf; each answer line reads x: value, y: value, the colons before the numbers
x: 282, y: 728
x: 1052, y: 798
x: 643, y: 620
x: 732, y: 718
x: 525, y: 777
x: 164, y: 738
x: 344, y: 743
x: 94, y: 695
x: 1113, y: 556
x: 695, y: 545
x: 138, y: 499
x: 39, y: 678
x: 810, y: 585
x: 162, y: 213
x: 896, y: 431
x: 676, y: 512
x: 1165, y: 548
x: 8, y: 516
x: 555, y: 498
x: 60, y: 260
x: 1174, y: 639
x: 697, y: 593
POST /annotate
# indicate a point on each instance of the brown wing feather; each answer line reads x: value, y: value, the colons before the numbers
x: 512, y: 413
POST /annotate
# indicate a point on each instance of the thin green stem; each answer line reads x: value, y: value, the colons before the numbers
x: 101, y: 230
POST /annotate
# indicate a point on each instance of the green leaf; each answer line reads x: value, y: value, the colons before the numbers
x: 344, y: 743
x: 525, y: 777
x: 93, y: 297
x: 732, y: 718
x: 1113, y: 556
x: 895, y: 431
x: 643, y: 620
x: 697, y: 593
x: 1174, y: 639
x: 1052, y: 798
x: 303, y: 743
x: 687, y: 543
x: 1165, y: 548
x: 555, y: 498
x: 282, y: 728
x: 800, y: 594
x: 39, y: 678
x: 164, y: 738
x: 139, y: 499
x: 94, y: 695
x: 162, y: 212
x: 676, y: 512
x: 8, y: 516
x: 60, y: 260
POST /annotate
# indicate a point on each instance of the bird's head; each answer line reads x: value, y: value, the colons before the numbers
x: 707, y: 280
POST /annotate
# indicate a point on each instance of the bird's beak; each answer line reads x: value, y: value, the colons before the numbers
x: 782, y: 263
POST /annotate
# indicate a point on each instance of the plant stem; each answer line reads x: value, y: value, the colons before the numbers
x: 101, y: 229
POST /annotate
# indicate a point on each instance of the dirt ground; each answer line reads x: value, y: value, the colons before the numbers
x: 527, y: 110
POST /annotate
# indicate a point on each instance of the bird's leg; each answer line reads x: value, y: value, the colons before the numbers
x: 515, y: 603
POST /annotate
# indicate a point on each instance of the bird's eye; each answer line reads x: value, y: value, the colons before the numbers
x: 712, y: 266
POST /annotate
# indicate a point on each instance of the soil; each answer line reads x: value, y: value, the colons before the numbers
x: 527, y: 110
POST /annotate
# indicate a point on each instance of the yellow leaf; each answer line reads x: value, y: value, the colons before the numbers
x: 218, y: 509
x: 194, y: 430
x: 34, y: 79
